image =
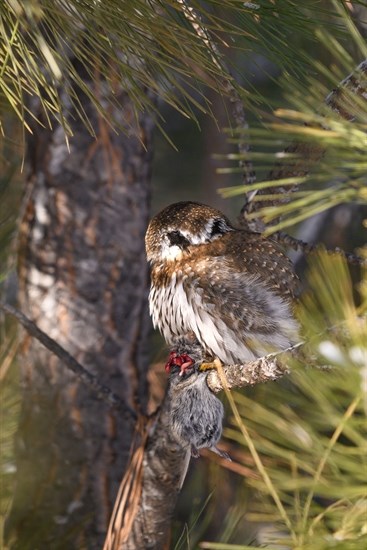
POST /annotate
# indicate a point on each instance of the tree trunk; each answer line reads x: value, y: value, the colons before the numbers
x: 83, y: 279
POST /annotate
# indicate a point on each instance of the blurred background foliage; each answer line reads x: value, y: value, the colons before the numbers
x: 307, y: 432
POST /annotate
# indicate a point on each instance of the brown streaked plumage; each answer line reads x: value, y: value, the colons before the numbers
x: 230, y: 289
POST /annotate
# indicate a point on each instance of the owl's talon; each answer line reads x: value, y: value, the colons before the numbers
x: 216, y: 364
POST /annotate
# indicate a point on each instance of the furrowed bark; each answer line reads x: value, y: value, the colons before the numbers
x: 84, y: 376
x: 156, y: 471
x: 83, y: 279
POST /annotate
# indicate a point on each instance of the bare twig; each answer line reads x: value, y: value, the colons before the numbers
x: 254, y: 372
x: 101, y: 391
x: 229, y: 85
x: 343, y: 99
x: 298, y: 244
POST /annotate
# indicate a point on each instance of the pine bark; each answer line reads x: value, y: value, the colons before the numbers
x: 83, y: 279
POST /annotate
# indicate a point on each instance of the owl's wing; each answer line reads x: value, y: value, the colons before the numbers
x: 238, y: 314
x: 256, y: 255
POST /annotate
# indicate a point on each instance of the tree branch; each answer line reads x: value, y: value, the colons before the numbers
x: 164, y: 466
x: 344, y: 100
x: 149, y: 490
x: 264, y: 369
x: 261, y: 370
x: 345, y: 97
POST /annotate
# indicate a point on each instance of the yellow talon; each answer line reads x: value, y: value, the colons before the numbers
x: 212, y: 365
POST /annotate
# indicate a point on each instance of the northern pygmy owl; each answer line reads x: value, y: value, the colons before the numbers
x: 230, y: 289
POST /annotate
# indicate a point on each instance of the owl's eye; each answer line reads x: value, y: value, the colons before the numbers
x: 177, y: 239
x: 219, y: 227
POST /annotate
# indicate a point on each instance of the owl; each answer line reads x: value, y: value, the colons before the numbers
x: 228, y: 289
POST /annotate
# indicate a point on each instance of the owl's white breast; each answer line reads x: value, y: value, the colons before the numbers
x: 169, y: 308
x: 176, y: 313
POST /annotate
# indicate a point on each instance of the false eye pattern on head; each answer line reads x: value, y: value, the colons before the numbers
x: 219, y: 227
x: 177, y: 239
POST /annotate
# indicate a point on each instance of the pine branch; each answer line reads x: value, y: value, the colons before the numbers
x: 101, y: 391
x: 148, y: 492
x: 344, y: 100
x: 261, y: 370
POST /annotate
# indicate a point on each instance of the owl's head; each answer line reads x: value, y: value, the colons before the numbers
x: 183, y: 225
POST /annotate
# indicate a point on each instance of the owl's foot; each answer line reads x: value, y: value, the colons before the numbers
x: 184, y: 361
x: 216, y: 364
